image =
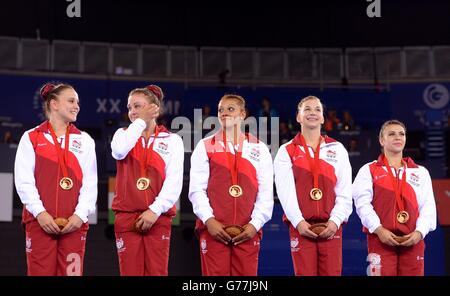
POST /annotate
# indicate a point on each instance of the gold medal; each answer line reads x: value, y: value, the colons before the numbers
x: 143, y: 183
x: 66, y: 183
x: 235, y: 191
x: 402, y: 217
x: 315, y: 194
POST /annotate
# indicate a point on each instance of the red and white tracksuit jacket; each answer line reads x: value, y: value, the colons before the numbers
x: 376, y: 206
x: 294, y: 180
x: 146, y: 253
x: 210, y: 179
x: 37, y: 174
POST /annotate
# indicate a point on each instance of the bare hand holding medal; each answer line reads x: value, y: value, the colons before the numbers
x: 246, y: 233
x: 73, y: 223
x: 304, y: 228
x: 47, y: 223
x: 217, y: 230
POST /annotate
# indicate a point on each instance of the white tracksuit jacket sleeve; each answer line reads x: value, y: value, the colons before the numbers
x: 124, y: 140
x: 343, y: 206
x: 88, y: 191
x: 24, y: 176
x: 285, y: 183
x: 363, y: 195
x: 198, y: 183
x: 173, y: 183
x: 426, y: 221
x: 262, y: 212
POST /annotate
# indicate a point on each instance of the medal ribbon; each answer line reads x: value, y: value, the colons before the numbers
x: 143, y: 162
x: 313, y: 163
x: 233, y: 163
x: 62, y: 155
x: 395, y: 185
x: 147, y: 153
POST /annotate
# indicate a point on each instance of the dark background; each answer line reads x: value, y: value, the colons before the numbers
x: 233, y: 23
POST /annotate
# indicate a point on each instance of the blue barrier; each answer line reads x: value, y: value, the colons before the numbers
x: 275, y: 256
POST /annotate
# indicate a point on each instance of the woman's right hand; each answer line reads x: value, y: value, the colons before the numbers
x: 47, y: 223
x: 386, y: 237
x: 303, y: 229
x: 216, y: 230
x: 149, y: 112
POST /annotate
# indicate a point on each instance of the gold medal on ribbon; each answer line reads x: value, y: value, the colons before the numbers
x: 142, y: 183
x: 66, y: 183
x: 402, y: 217
x: 235, y: 191
x: 316, y: 194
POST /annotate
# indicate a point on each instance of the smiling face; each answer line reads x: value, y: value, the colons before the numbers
x: 230, y: 112
x: 310, y: 113
x: 393, y: 138
x: 66, y: 105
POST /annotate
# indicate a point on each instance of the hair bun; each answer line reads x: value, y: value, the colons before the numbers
x: 48, y: 87
x: 156, y: 90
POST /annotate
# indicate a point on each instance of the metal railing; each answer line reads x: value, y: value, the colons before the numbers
x: 206, y: 64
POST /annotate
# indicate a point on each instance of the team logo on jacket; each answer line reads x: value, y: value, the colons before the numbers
x: 254, y: 153
x: 414, y: 179
x: 76, y: 146
x: 331, y: 155
x: 163, y: 148
x: 203, y: 246
x: 294, y: 245
x: 120, y: 245
x: 28, y: 245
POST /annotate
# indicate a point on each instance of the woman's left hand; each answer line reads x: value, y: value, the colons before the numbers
x: 329, y: 231
x: 248, y: 233
x: 413, y: 238
x: 74, y: 223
